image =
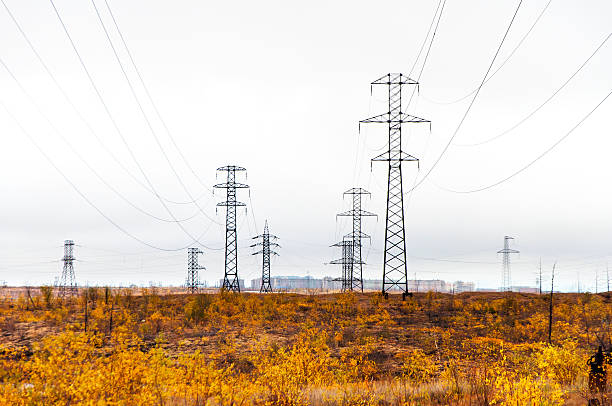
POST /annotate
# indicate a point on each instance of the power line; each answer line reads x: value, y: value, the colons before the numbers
x: 528, y: 116
x: 119, y: 132
x: 144, y: 115
x: 64, y: 94
x: 79, y: 156
x: 452, y: 260
x: 502, y: 64
x: 76, y: 189
x: 148, y: 93
x: 427, y: 54
x: 536, y: 159
x: 471, y: 103
x: 431, y: 24
x: 75, y: 109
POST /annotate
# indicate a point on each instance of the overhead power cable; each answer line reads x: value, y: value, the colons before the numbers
x: 116, y: 127
x: 431, y: 24
x: 507, y: 178
x: 144, y: 114
x: 433, y: 37
x: 80, y: 157
x: 528, y: 116
x: 77, y: 111
x: 518, y: 45
x: 150, y: 98
x: 76, y: 189
x: 467, y: 111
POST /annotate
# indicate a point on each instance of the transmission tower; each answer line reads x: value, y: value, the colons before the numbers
x: 357, y: 235
x: 68, y: 286
x: 395, y: 272
x: 230, y: 279
x: 193, y: 277
x: 347, y: 261
x: 506, y: 280
x: 266, y: 253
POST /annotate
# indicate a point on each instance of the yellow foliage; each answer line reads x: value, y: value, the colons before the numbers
x: 417, y: 366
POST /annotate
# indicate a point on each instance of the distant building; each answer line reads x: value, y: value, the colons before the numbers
x: 428, y: 285
x: 461, y: 286
x: 329, y: 283
x: 289, y: 283
x: 524, y: 289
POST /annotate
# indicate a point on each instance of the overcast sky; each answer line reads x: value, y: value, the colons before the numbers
x: 278, y: 87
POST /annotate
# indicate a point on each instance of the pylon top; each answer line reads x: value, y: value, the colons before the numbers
x: 395, y: 79
x: 357, y: 191
x: 231, y: 168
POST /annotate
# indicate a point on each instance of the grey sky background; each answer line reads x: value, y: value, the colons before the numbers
x: 279, y: 87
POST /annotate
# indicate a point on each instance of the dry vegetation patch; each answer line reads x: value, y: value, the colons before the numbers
x: 122, y: 346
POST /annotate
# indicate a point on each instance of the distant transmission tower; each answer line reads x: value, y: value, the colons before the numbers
x: 506, y: 279
x: 68, y: 286
x: 357, y: 235
x: 395, y: 272
x: 230, y: 279
x: 266, y: 253
x: 347, y: 261
x: 193, y: 277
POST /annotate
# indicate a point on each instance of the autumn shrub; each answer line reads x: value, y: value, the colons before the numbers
x: 196, y: 307
x: 47, y: 295
x: 516, y: 390
x: 562, y: 364
x: 417, y: 366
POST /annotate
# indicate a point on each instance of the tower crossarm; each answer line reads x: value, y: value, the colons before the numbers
x: 272, y: 237
x: 270, y: 244
x: 394, y: 156
x: 230, y: 204
x: 228, y: 185
x: 355, y: 236
x: 343, y: 261
x: 394, y: 79
x: 231, y: 168
x: 399, y: 118
x: 361, y: 213
x: 264, y: 252
x: 508, y: 251
x: 357, y: 191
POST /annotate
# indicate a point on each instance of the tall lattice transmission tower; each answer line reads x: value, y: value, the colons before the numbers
x: 357, y: 235
x: 506, y: 279
x: 67, y: 285
x: 395, y: 272
x: 193, y: 267
x: 230, y: 279
x: 266, y: 253
x: 347, y: 261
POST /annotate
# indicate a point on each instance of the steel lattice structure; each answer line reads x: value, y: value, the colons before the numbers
x: 357, y: 235
x: 266, y: 253
x: 230, y: 279
x: 506, y: 279
x: 193, y: 277
x: 347, y: 261
x: 395, y: 272
x: 68, y: 286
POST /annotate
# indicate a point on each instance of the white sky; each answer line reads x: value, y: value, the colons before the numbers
x: 279, y: 87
